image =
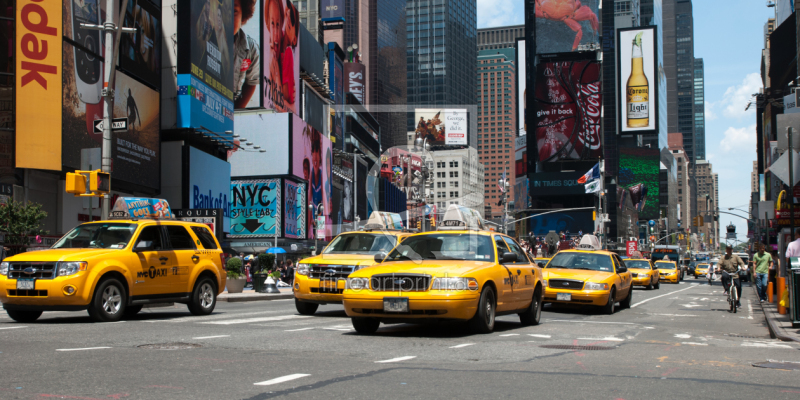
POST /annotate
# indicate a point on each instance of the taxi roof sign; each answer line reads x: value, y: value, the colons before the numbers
x: 590, y: 242
x: 139, y: 207
x: 385, y: 221
x: 461, y: 218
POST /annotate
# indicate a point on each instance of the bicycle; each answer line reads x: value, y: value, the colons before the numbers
x: 732, y: 293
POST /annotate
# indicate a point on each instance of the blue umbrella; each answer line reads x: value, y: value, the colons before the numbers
x: 275, y: 250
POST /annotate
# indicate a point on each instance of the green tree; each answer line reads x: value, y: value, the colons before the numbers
x: 20, y: 221
x: 266, y: 261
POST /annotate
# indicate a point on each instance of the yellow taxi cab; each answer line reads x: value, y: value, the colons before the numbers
x: 321, y: 279
x: 459, y: 272
x: 701, y: 270
x: 112, y: 268
x: 588, y: 276
x: 643, y: 273
x: 668, y: 271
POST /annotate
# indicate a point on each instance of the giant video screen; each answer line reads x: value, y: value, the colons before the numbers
x: 638, y: 179
x: 637, y: 91
x: 565, y: 26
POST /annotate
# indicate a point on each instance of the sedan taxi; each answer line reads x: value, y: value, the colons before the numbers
x: 589, y: 277
x: 321, y: 279
x: 460, y: 272
x: 668, y: 271
x: 701, y: 270
x: 643, y: 273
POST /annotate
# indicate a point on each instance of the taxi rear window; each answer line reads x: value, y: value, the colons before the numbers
x: 206, y: 238
x: 666, y: 265
x: 637, y: 264
x: 588, y: 261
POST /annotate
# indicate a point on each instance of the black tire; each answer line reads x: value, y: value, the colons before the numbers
x: 108, y: 302
x: 305, y: 308
x: 24, y: 316
x: 626, y: 302
x: 483, y: 321
x: 609, y: 307
x: 133, y: 310
x: 533, y: 314
x: 365, y: 326
x: 650, y: 285
x: 204, y: 297
x: 658, y: 285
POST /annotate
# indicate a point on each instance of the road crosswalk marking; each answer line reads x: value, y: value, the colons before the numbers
x: 281, y: 379
x: 253, y: 320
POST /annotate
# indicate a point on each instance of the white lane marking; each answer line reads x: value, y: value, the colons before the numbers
x: 765, y: 345
x: 14, y: 327
x: 510, y: 334
x: 592, y: 322
x: 666, y: 294
x: 298, y: 330
x: 395, y: 359
x: 251, y: 320
x: 695, y: 343
x: 84, y: 348
x: 211, y: 337
x: 605, y: 339
x: 281, y: 379
x: 675, y: 315
x: 682, y: 336
x: 461, y: 345
x: 749, y: 310
x: 537, y: 335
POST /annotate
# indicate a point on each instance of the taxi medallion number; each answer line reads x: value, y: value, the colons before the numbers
x: 328, y: 285
x: 564, y: 296
x: 395, y: 304
x: 25, y: 284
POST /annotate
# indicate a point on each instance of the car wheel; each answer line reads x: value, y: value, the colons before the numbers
x: 108, y: 302
x: 626, y: 303
x: 533, y: 314
x: 24, y: 316
x: 483, y: 321
x: 365, y: 326
x: 204, y: 297
x: 305, y: 308
x: 650, y: 285
x: 658, y: 285
x: 133, y: 310
x: 609, y: 307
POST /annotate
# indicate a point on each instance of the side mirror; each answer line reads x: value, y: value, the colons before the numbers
x: 379, y: 257
x: 509, y: 258
x: 622, y: 269
x: 144, y: 245
x: 541, y: 265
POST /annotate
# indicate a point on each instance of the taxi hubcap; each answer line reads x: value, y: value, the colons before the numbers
x: 112, y: 300
x: 489, y: 313
x: 206, y: 295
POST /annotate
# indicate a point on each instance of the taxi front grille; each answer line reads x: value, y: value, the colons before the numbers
x: 327, y: 291
x: 32, y: 270
x: 400, y: 283
x: 27, y: 293
x: 566, y: 284
x: 330, y: 271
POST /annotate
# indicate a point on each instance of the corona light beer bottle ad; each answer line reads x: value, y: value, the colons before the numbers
x: 638, y: 80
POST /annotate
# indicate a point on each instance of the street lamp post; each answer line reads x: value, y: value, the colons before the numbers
x: 423, y: 144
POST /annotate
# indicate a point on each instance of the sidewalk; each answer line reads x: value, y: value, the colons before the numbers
x: 780, y: 326
x: 251, y: 295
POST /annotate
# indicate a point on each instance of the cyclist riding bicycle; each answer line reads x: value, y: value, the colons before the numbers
x: 730, y: 264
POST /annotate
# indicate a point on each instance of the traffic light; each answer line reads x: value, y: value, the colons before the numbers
x: 76, y: 183
x: 694, y: 221
x: 99, y: 183
x: 700, y: 220
x: 433, y: 222
x: 419, y: 224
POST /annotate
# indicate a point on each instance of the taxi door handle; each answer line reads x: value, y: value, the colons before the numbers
x: 519, y: 272
x: 164, y: 258
x: 195, y: 258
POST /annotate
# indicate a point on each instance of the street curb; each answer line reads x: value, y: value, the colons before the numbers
x: 257, y: 297
x: 773, y: 331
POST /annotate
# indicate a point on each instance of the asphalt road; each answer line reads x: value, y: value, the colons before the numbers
x: 676, y: 342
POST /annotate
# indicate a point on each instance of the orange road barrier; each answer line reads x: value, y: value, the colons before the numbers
x: 770, y: 296
x: 781, y: 289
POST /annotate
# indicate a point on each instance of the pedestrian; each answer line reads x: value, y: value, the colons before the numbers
x: 793, y: 250
x: 762, y: 262
x: 290, y: 272
x: 776, y: 266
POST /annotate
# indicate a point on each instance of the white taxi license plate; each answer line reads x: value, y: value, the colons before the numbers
x: 564, y: 296
x: 329, y: 284
x: 395, y: 304
x: 25, y: 284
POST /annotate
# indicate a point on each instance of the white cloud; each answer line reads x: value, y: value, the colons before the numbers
x: 736, y: 97
x: 493, y: 13
x: 739, y: 139
x: 709, y: 112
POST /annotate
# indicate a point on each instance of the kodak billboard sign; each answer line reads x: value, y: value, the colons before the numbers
x: 38, y: 84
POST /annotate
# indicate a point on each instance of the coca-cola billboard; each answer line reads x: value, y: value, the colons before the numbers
x: 568, y: 105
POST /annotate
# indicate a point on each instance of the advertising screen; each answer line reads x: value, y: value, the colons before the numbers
x: 255, y: 208
x: 209, y: 184
x: 568, y: 106
x: 295, y: 207
x: 140, y: 52
x: 205, y: 65
x: 331, y: 10
x: 638, y: 178
x: 573, y: 222
x: 337, y: 87
x: 521, y: 156
x: 354, y: 75
x: 638, y: 91
x: 557, y: 183
x: 247, y: 56
x: 312, y: 160
x: 522, y: 89
x: 281, y: 58
x: 441, y: 126
x: 522, y: 198
x: 567, y: 26
x: 271, y: 132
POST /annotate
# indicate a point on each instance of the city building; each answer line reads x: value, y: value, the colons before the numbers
x: 707, y: 202
x: 627, y: 13
x: 310, y: 18
x: 754, y: 178
x: 502, y: 37
x: 646, y: 12
x: 678, y: 59
x: 458, y: 179
x: 440, y: 51
x: 699, y: 110
x: 685, y: 191
x: 497, y: 123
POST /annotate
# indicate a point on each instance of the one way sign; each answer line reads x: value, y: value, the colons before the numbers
x: 118, y: 124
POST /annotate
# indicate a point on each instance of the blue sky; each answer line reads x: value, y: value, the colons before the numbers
x: 729, y: 39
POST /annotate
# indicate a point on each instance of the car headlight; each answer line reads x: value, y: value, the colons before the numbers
x: 455, y: 284
x: 302, y: 269
x: 4, y: 268
x: 544, y: 282
x: 357, y: 283
x: 71, y: 268
x: 595, y: 286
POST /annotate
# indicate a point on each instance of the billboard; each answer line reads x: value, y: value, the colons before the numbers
x: 557, y: 183
x: 638, y: 91
x: 521, y: 156
x: 209, y: 184
x: 572, y: 222
x: 140, y: 52
x: 337, y: 77
x: 354, y: 75
x: 522, y: 88
x: 568, y: 108
x: 281, y: 63
x: 247, y: 54
x: 255, y: 208
x: 205, y: 65
x: 295, y: 207
x: 638, y: 177
x: 332, y: 10
x: 441, y: 126
x: 312, y: 160
x: 567, y: 26
x: 271, y: 132
x: 38, y: 66
x: 522, y: 198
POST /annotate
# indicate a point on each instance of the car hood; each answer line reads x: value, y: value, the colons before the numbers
x: 577, y: 274
x: 431, y: 267
x: 639, y: 270
x: 340, y: 259
x: 54, y: 255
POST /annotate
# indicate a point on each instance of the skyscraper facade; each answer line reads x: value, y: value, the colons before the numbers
x: 699, y: 111
x: 502, y: 37
x: 679, y: 69
x: 309, y: 17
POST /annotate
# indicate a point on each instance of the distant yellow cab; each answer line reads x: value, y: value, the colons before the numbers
x: 668, y: 271
x: 588, y: 277
x: 701, y: 270
x: 643, y: 273
x: 321, y: 279
x: 112, y: 268
x: 460, y: 272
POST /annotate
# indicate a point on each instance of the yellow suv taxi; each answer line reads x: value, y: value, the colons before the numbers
x: 668, y: 271
x: 321, y: 279
x: 112, y: 268
x: 701, y: 270
x: 459, y: 272
x: 643, y: 273
x: 587, y: 276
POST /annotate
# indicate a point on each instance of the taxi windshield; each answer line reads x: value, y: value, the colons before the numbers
x: 361, y: 243
x: 589, y: 261
x: 637, y: 264
x: 444, y: 246
x: 666, y: 265
x: 97, y: 236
